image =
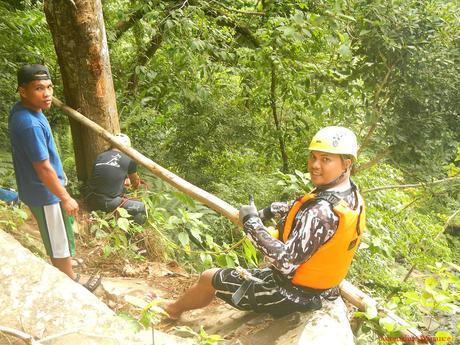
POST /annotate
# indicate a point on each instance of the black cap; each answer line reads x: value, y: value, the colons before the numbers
x: 28, y: 73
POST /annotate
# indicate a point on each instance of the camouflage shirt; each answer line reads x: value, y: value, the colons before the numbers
x: 314, y: 226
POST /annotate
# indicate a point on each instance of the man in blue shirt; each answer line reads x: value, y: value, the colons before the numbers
x: 38, y: 168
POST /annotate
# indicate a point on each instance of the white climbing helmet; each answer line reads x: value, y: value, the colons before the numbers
x: 334, y: 139
x: 123, y: 139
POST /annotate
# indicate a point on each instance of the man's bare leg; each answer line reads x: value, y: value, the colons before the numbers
x: 198, y: 296
x: 64, y: 265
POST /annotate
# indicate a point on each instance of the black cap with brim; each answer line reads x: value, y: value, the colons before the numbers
x: 28, y: 73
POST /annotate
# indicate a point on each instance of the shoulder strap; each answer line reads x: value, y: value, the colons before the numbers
x: 330, y: 197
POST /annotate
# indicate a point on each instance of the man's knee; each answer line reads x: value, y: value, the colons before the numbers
x: 207, y: 276
x: 136, y: 209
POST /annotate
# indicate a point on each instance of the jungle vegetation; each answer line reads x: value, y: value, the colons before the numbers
x: 227, y: 95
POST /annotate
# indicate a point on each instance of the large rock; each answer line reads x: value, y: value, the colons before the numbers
x: 39, y: 300
x: 326, y: 326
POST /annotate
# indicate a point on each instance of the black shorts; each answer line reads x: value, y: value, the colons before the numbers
x: 261, y: 298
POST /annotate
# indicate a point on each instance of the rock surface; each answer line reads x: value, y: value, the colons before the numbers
x: 39, y: 300
x: 326, y: 326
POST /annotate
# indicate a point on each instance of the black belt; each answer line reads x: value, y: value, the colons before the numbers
x: 286, y: 283
x: 247, y: 288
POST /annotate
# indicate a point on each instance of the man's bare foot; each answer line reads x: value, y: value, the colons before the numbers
x: 166, y: 305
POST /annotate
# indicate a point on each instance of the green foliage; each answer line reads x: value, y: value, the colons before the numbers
x: 11, y: 217
x: 440, y: 293
x: 7, y: 178
x: 146, y: 315
x: 198, y: 87
x: 398, y: 234
x: 192, y: 233
x: 410, y: 51
x: 24, y: 38
x: 453, y: 169
x: 439, y: 297
x: 114, y: 230
x: 200, y: 337
x: 151, y: 314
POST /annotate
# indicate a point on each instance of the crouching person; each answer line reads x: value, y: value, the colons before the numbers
x: 319, y: 234
x: 106, y: 185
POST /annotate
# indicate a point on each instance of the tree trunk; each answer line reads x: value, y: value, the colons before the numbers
x: 78, y: 31
x: 279, y: 130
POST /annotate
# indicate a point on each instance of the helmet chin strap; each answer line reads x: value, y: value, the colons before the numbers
x: 333, y: 183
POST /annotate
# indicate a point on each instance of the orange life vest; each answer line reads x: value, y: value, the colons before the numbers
x: 329, y: 265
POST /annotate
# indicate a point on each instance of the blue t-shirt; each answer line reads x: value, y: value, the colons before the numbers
x: 32, y: 141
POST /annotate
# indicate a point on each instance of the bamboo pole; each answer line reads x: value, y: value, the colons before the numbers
x: 195, y: 192
x: 350, y: 292
x: 361, y: 300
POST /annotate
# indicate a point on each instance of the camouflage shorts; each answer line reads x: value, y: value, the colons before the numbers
x: 259, y: 297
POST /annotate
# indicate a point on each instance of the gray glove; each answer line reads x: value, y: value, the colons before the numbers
x: 248, y: 211
x: 266, y: 214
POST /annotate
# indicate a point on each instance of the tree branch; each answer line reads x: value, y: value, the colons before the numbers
x: 183, y: 4
x: 376, y: 109
x: 154, y: 45
x: 449, y: 220
x: 125, y: 24
x: 223, y: 20
x: 27, y: 338
x: 378, y: 157
x: 415, y: 185
x: 253, y: 13
x: 276, y: 119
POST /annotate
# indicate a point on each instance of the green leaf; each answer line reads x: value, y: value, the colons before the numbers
x: 444, y: 284
x: 222, y: 260
x: 106, y: 250
x: 206, y: 259
x: 288, y: 31
x: 123, y: 212
x: 183, y: 238
x: 100, y: 234
x: 196, y: 233
x: 229, y: 261
x: 387, y: 324
x: 209, y: 240
x: 441, y: 298
x: 431, y: 282
x: 195, y: 215
x: 371, y: 311
x: 344, y: 50
x: 412, y: 296
x: 22, y: 214
x: 455, y: 266
x: 123, y: 224
x: 250, y: 252
x: 443, y: 338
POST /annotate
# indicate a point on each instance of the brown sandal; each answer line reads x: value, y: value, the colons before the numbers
x: 92, y: 283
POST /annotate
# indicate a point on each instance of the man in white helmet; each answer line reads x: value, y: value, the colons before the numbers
x: 318, y: 235
x: 106, y: 185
